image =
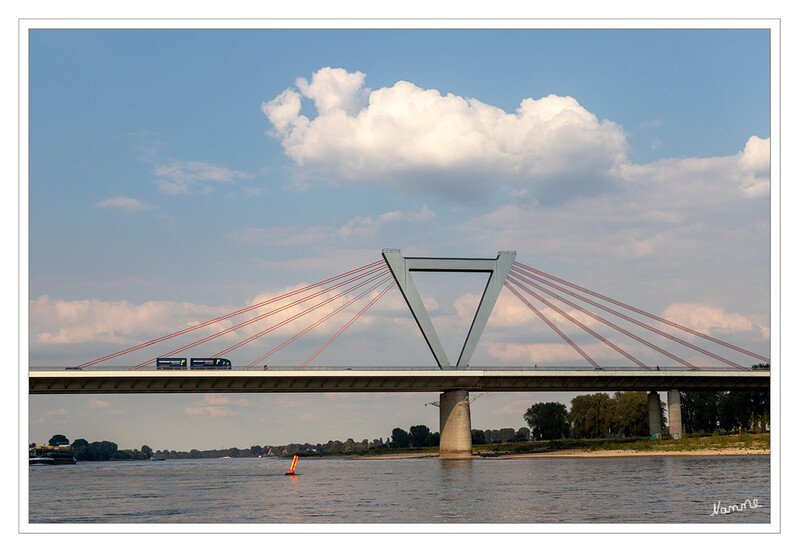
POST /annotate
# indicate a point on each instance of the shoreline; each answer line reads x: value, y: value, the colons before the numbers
x: 581, y: 453
x: 628, y: 453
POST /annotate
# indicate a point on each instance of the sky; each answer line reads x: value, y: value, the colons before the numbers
x: 177, y: 175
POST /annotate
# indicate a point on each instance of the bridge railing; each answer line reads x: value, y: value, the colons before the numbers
x: 406, y: 368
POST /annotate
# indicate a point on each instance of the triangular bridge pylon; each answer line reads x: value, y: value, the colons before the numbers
x: 402, y: 267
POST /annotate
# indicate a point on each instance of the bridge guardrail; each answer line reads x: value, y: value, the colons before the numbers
x: 408, y: 368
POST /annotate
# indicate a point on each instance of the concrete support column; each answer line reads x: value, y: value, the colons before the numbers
x: 456, y: 424
x: 675, y: 414
x: 655, y: 415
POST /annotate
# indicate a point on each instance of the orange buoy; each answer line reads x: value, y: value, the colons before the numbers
x: 293, y: 465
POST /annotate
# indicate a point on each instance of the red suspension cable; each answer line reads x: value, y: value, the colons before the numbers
x: 589, y: 313
x: 242, y: 324
x: 317, y: 323
x: 347, y: 325
x: 229, y: 315
x: 298, y: 315
x: 644, y: 313
x: 637, y: 322
x: 551, y: 325
x: 580, y: 324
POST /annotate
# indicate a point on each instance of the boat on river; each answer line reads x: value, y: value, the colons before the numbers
x: 49, y: 455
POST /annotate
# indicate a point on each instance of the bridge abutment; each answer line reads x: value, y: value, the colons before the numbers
x: 675, y: 414
x: 655, y: 416
x: 456, y: 424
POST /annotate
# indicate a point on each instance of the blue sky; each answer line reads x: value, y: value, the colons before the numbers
x: 179, y: 174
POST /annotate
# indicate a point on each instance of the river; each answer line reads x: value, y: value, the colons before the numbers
x: 528, y: 490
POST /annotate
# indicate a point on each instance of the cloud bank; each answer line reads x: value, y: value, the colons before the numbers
x: 514, y: 333
x: 59, y: 322
x: 461, y: 147
x: 404, y: 130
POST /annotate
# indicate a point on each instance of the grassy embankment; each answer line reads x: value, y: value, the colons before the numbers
x: 712, y: 443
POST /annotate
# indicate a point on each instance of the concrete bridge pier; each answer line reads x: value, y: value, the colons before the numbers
x: 655, y: 415
x: 675, y: 414
x: 456, y: 424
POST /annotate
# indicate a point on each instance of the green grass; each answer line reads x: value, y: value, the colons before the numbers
x: 760, y: 441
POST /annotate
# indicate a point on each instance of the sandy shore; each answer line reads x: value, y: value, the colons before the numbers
x: 636, y: 453
x: 577, y: 453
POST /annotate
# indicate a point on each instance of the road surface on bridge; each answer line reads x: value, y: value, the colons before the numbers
x: 106, y: 380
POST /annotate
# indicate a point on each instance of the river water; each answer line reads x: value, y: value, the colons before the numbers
x: 530, y: 490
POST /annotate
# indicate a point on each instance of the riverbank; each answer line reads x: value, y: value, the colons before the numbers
x: 711, y: 445
x: 637, y: 453
x: 591, y: 454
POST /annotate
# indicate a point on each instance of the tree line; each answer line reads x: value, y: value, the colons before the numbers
x: 709, y: 411
x: 418, y: 436
x: 504, y: 435
x: 626, y: 414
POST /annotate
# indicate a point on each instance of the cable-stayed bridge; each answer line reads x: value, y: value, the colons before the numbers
x: 310, y: 306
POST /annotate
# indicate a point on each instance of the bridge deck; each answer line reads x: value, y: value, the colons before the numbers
x: 48, y: 380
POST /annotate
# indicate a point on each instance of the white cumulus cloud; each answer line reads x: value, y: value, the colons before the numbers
x: 754, y: 162
x: 405, y: 130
